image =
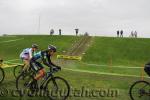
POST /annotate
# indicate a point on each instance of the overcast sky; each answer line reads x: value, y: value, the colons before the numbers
x: 98, y: 17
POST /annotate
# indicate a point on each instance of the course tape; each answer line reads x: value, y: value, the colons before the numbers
x: 69, y: 57
x: 104, y: 73
x: 11, y: 40
x: 111, y: 66
x: 85, y: 71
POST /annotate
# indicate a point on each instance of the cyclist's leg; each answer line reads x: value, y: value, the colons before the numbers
x: 41, y: 74
x: 147, y: 69
x: 26, y: 64
x: 26, y: 61
x: 36, y: 66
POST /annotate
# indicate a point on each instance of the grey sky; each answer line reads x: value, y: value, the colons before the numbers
x: 100, y: 17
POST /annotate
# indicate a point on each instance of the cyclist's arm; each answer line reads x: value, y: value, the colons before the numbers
x: 50, y: 62
x: 30, y: 53
x: 46, y: 59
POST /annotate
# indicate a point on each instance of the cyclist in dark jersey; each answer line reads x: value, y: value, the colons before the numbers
x: 45, y: 58
x: 147, y: 68
x: 1, y: 61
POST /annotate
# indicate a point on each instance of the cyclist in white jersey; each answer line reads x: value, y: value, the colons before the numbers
x: 27, y: 54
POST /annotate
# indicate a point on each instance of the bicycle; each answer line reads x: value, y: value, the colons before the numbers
x: 2, y: 74
x: 18, y: 69
x: 50, y: 84
x: 140, y: 90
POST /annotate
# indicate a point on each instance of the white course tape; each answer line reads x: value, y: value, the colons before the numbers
x: 104, y: 73
x: 11, y: 40
x: 128, y: 67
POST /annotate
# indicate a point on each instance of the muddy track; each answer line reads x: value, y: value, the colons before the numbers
x: 80, y: 46
x: 77, y: 49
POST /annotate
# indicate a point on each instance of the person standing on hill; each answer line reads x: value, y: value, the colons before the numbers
x: 59, y: 31
x: 77, y: 31
x: 121, y: 33
x: 118, y: 33
x: 135, y: 34
x: 132, y: 34
x: 51, y: 31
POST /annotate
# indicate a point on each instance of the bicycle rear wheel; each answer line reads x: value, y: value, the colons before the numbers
x: 58, y: 88
x: 24, y: 82
x: 2, y: 75
x: 140, y: 90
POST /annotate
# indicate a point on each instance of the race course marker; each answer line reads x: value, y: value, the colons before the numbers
x: 69, y: 57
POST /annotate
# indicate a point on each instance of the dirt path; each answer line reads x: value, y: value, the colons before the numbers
x: 77, y: 49
x: 80, y: 47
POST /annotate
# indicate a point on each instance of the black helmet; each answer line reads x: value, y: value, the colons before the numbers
x: 51, y: 47
x: 34, y: 46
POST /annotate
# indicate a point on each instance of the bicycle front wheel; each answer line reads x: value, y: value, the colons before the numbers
x: 58, y: 88
x: 140, y: 90
x: 18, y: 70
x: 2, y: 75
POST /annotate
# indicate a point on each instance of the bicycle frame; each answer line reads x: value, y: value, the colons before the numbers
x: 49, y: 75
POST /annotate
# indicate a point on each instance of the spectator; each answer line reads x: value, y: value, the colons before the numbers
x: 132, y: 34
x: 51, y: 31
x: 135, y: 34
x: 77, y: 31
x: 86, y: 34
x: 121, y: 33
x: 118, y: 33
x: 59, y: 31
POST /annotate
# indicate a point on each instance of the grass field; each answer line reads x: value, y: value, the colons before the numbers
x: 12, y: 46
x: 82, y: 74
x: 122, y: 51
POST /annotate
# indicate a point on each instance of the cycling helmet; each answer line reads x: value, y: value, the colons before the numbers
x: 34, y: 46
x: 51, y: 47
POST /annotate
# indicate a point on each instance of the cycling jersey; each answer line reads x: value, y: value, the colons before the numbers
x: 27, y: 53
x: 38, y: 58
x: 147, y: 68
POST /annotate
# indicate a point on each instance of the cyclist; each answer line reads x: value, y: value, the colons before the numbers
x: 1, y: 61
x: 45, y: 58
x: 27, y: 54
x: 147, y: 68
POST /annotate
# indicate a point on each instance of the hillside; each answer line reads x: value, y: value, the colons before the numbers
x: 94, y: 71
x: 10, y: 47
x: 120, y: 51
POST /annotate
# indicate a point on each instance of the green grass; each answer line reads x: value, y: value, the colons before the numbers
x: 77, y: 80
x: 11, y: 50
x: 122, y: 51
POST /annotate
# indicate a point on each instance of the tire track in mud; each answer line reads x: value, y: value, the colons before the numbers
x: 80, y: 47
x: 77, y: 49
